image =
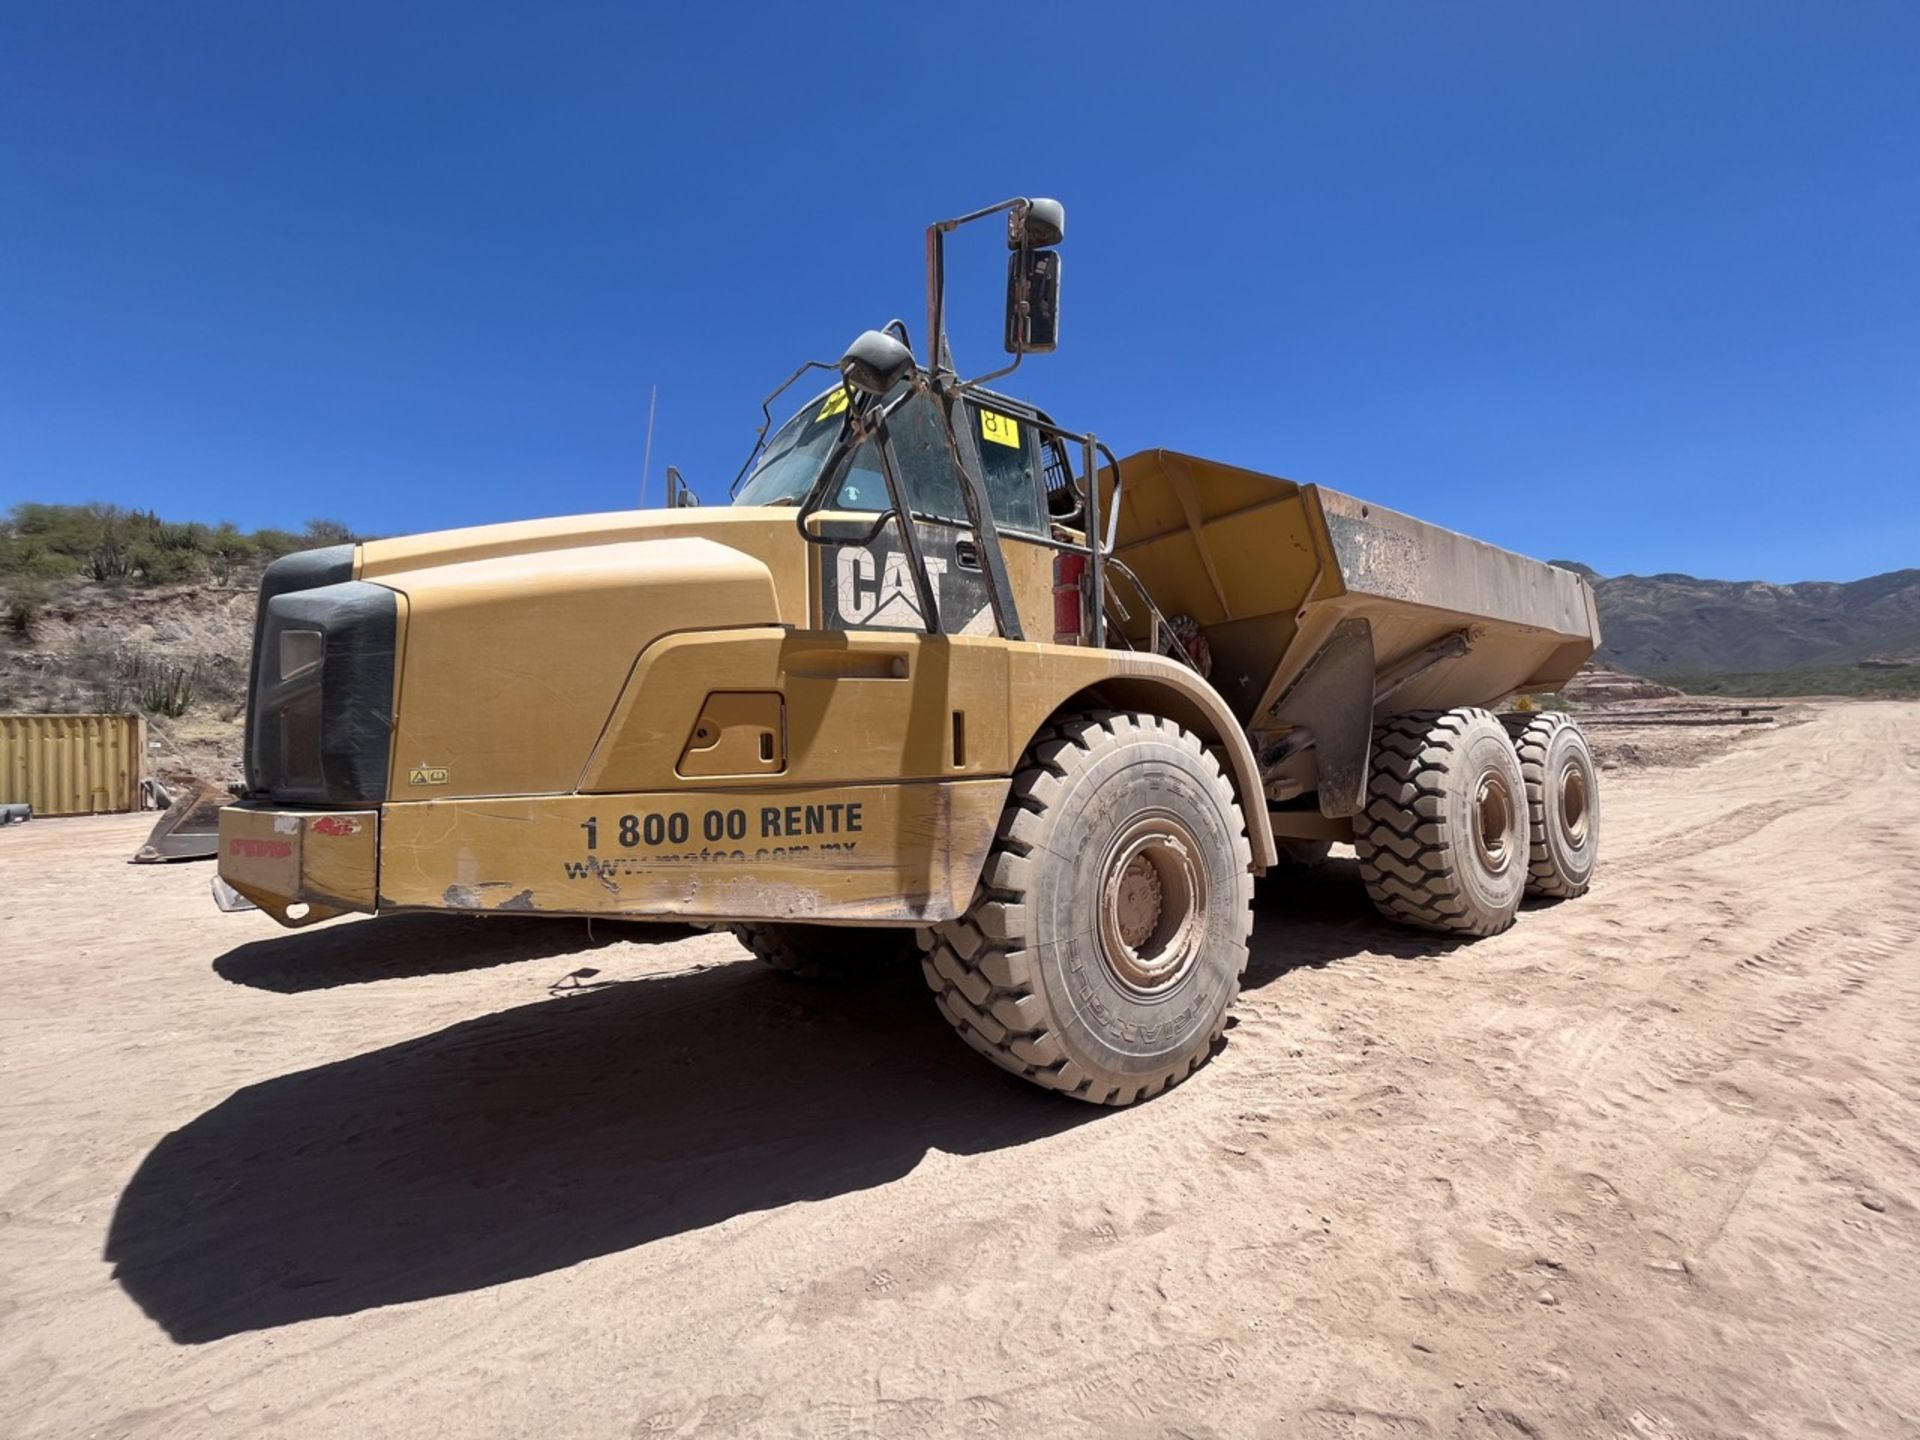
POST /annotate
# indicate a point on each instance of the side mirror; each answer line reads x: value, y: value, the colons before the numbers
x: 876, y: 362
x: 679, y: 493
x: 1033, y: 276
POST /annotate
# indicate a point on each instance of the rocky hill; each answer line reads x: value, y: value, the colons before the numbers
x: 1671, y: 626
x: 111, y: 610
x: 177, y: 653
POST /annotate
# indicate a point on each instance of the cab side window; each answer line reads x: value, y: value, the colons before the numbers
x: 1009, y: 454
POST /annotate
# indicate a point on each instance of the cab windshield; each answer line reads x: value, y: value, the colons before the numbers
x: 791, y: 462
x: 788, y: 468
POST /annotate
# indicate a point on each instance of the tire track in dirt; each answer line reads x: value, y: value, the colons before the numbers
x: 1641, y: 1053
x: 1728, y: 829
x: 1803, y: 976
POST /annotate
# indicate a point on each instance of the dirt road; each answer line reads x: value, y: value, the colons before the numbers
x: 1647, y: 1165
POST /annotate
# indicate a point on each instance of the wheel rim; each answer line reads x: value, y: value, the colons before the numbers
x: 1153, y: 903
x: 1493, y: 813
x: 1575, y: 808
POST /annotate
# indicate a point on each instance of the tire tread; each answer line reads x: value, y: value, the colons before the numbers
x: 1532, y: 740
x: 1406, y: 856
x: 976, y: 964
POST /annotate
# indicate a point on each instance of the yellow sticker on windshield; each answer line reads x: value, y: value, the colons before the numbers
x: 1001, y: 429
x: 835, y: 403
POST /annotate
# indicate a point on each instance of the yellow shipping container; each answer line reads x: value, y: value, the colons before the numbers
x: 73, y: 764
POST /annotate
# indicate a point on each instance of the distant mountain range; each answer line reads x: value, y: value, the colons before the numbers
x: 1669, y: 626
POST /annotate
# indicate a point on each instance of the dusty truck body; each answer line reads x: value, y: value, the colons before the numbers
x: 947, y: 681
x: 1320, y: 610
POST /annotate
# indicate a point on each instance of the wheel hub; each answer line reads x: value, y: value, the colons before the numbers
x: 1493, y: 823
x: 1153, y: 896
x: 1574, y: 808
x: 1138, y: 901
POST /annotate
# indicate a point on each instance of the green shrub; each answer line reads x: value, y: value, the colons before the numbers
x: 167, y: 688
x: 164, y: 564
x: 230, y: 550
x: 110, y: 545
x: 326, y: 532
x: 25, y: 600
x: 32, y: 560
x: 272, y: 544
x: 1532, y: 704
x: 108, y: 561
x: 101, y: 664
x: 123, y: 677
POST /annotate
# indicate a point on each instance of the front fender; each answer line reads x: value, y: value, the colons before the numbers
x: 1047, y: 679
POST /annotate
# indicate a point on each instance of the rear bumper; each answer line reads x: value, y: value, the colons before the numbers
x: 302, y: 865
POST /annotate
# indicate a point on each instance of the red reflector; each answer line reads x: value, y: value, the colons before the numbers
x: 1067, y: 599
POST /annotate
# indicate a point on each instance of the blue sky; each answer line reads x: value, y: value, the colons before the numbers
x: 1632, y: 283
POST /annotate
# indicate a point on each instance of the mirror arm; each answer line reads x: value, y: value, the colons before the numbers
x: 1113, y: 515
x: 973, y: 493
x: 816, y: 499
x: 980, y: 214
x: 922, y: 583
x: 1097, y: 557
x: 937, y: 298
x: 996, y: 374
x: 766, y: 418
x: 939, y: 355
x: 1025, y: 292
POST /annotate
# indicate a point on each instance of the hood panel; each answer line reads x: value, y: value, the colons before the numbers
x: 764, y: 532
x: 519, y: 638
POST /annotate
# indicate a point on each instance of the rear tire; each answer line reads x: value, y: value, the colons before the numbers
x: 1563, y: 803
x: 833, y: 953
x: 1108, y: 933
x: 1443, y: 842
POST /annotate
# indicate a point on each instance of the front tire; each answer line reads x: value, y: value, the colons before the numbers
x: 1443, y: 840
x: 1108, y: 932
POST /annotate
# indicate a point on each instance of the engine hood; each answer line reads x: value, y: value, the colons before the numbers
x: 764, y: 531
x: 517, y: 639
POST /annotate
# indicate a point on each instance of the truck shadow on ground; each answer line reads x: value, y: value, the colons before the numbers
x: 1306, y: 919
x: 527, y: 1141
x: 409, y: 945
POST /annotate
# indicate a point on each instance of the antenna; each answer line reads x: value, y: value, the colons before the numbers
x: 646, y: 458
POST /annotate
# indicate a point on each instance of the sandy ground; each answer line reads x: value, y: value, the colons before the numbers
x: 1647, y: 1165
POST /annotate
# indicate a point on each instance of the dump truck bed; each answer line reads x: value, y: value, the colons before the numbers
x: 1267, y: 565
x: 1323, y: 611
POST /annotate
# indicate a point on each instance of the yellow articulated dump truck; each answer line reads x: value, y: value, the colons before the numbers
x: 946, y: 683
